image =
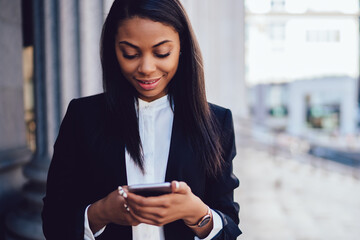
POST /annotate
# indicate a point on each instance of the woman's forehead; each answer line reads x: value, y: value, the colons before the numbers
x: 143, y: 29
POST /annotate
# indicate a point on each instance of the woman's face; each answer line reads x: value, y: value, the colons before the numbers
x: 148, y: 55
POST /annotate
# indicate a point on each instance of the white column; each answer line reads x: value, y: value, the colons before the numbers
x: 69, y: 52
x: 260, y: 109
x: 297, y: 109
x: 348, y: 107
x: 91, y: 20
x: 52, y: 73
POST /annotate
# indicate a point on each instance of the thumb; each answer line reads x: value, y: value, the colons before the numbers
x: 179, y: 187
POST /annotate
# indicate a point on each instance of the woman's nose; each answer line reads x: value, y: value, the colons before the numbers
x: 147, y: 65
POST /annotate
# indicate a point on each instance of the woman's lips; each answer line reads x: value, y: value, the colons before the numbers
x: 148, y: 84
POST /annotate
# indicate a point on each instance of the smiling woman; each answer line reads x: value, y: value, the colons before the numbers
x: 148, y: 54
x: 152, y: 124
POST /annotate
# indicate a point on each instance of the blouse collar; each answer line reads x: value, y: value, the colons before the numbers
x: 157, y: 104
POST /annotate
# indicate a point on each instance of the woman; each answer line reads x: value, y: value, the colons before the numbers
x: 152, y: 124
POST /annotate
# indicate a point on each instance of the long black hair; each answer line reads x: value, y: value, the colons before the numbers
x: 186, y: 90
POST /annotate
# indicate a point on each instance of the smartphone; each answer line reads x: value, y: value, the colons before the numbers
x: 150, y: 190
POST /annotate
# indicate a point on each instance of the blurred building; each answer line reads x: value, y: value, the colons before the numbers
x: 302, y: 64
x: 306, y: 108
x: 289, y: 40
x: 50, y: 55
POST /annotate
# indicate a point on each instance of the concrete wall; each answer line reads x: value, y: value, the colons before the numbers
x: 219, y: 27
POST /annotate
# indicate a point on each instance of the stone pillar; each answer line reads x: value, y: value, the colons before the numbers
x: 13, y: 148
x: 349, y: 107
x: 52, y: 71
x: 67, y: 65
x: 297, y: 109
x: 259, y: 107
x: 91, y: 19
x: 25, y: 221
x: 69, y: 52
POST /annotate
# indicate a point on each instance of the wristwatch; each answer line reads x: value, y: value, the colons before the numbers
x: 204, y: 220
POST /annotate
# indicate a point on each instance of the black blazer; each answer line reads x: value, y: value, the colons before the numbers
x: 89, y: 163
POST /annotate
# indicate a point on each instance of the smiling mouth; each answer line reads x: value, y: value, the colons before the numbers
x: 148, y: 81
x: 148, y: 84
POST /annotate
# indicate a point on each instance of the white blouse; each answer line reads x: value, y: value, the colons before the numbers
x: 155, y: 128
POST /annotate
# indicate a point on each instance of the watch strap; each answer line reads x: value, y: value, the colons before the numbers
x: 204, y: 220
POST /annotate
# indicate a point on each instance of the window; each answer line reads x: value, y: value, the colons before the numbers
x: 277, y: 31
x: 277, y: 5
x: 322, y: 35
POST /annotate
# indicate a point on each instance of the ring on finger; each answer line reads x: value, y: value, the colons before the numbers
x: 126, y: 207
x: 122, y: 192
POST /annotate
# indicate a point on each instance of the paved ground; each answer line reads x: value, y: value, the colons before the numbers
x: 293, y: 197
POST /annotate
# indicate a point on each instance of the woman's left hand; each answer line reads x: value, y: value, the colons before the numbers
x: 160, y: 210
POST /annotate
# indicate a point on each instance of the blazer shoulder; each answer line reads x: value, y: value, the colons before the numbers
x: 94, y: 104
x: 93, y: 100
x: 220, y: 112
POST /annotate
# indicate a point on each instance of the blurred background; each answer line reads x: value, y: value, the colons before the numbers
x: 288, y: 70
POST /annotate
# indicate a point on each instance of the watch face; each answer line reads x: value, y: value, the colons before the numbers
x: 204, y: 221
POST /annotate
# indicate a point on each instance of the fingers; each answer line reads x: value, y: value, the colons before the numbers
x: 175, y: 185
x: 158, y: 210
x: 180, y: 187
x: 122, y: 192
x: 146, y: 217
x: 118, y: 208
x: 164, y: 201
x: 154, y: 216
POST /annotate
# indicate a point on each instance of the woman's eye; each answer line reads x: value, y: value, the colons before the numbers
x: 162, y: 55
x: 130, y: 56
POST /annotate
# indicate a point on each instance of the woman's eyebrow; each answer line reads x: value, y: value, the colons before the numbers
x: 136, y: 47
x: 160, y: 43
x: 129, y: 44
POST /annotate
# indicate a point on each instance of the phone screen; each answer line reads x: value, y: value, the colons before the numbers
x: 150, y: 190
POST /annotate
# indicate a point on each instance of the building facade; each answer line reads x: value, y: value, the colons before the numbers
x: 309, y: 49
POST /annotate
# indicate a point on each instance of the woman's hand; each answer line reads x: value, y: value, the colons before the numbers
x: 110, y: 209
x: 160, y: 210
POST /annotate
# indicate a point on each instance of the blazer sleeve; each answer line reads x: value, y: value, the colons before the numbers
x: 63, y: 210
x: 220, y: 191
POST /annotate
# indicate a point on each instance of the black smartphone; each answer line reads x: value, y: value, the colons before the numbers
x: 150, y: 190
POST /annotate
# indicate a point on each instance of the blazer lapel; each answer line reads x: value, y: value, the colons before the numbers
x: 112, y: 158
x: 183, y: 163
x: 180, y: 157
x: 173, y: 160
x: 180, y: 153
x: 117, y: 156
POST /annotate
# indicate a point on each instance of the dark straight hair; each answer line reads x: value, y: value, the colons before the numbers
x: 186, y: 90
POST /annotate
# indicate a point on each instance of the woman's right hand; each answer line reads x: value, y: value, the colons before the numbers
x: 110, y: 209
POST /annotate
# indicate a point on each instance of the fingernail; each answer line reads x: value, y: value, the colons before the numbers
x: 177, y: 185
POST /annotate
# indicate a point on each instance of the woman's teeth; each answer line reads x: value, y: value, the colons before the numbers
x: 148, y: 82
